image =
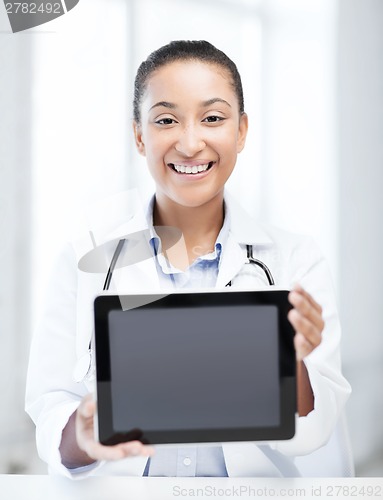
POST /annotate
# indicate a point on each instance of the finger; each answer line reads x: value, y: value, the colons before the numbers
x: 304, y: 307
x: 137, y: 448
x: 100, y: 452
x: 302, y: 347
x: 302, y: 325
x: 299, y: 289
x: 87, y: 407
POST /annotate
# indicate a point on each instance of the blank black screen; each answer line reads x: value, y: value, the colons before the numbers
x: 194, y: 368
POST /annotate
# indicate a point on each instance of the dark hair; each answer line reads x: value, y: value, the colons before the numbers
x: 184, y: 50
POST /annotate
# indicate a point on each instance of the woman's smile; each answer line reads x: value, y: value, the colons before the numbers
x: 195, y: 169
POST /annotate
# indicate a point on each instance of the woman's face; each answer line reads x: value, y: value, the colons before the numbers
x: 191, y: 131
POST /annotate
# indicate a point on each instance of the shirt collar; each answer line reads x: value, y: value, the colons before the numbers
x: 241, y: 225
x: 155, y: 240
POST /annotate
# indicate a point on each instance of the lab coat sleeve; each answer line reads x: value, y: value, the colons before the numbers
x: 330, y: 388
x: 52, y: 395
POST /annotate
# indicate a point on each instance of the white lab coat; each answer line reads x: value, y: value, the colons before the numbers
x: 66, y: 327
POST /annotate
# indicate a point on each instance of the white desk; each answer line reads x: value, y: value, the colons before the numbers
x: 14, y: 487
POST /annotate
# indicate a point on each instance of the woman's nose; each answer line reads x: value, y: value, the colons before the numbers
x: 190, y: 141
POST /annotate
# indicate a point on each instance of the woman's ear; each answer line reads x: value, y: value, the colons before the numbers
x: 138, y: 138
x: 242, y: 132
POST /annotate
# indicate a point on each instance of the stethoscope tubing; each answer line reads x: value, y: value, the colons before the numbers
x: 113, y: 263
x: 259, y: 263
x: 250, y: 257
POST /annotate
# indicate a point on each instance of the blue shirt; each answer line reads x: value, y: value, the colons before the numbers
x: 190, y: 461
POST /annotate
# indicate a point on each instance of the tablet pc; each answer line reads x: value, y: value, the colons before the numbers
x: 195, y: 367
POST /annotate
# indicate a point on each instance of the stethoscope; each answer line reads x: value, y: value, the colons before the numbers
x: 83, y: 370
x: 249, y: 248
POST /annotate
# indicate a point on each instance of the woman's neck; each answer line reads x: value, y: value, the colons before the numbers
x: 199, y: 226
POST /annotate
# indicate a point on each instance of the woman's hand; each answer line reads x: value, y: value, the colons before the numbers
x: 95, y: 450
x: 306, y: 318
x: 78, y: 446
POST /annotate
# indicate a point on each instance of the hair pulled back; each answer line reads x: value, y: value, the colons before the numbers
x: 184, y: 50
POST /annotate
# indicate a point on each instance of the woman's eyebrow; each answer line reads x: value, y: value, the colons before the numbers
x: 209, y: 102
x: 165, y: 104
x: 205, y: 104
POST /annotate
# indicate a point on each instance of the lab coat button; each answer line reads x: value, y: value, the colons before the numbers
x: 187, y: 461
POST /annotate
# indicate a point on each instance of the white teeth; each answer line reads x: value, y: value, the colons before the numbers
x: 195, y: 169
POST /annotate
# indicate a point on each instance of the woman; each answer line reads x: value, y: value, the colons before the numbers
x: 190, y: 124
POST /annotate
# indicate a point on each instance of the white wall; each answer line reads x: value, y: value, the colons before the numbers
x: 81, y: 124
x: 15, y: 242
x: 299, y: 128
x: 360, y: 105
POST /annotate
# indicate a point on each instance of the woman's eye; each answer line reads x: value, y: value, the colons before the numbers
x: 213, y: 119
x: 166, y: 121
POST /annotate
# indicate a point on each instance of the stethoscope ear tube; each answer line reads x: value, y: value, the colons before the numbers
x: 259, y: 263
x: 113, y: 264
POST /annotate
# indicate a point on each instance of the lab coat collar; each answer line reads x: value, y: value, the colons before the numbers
x: 137, y: 222
x: 244, y: 228
x: 143, y: 275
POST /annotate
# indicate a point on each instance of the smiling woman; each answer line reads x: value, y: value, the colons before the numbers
x: 190, y: 126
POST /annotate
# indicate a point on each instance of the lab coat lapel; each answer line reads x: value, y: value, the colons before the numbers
x: 244, y: 230
x: 142, y: 275
x: 232, y: 259
x: 129, y: 279
x: 243, y: 227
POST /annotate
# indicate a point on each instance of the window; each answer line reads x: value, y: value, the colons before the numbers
x: 83, y: 84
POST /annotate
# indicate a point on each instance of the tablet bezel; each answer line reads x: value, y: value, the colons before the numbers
x: 103, y: 304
